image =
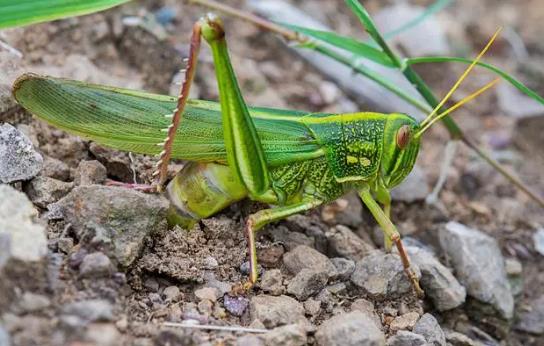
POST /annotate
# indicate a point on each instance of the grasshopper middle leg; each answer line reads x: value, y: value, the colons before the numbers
x: 256, y: 221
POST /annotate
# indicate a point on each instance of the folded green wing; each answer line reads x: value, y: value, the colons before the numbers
x: 134, y: 121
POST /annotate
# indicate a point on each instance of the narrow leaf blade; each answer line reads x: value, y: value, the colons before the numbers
x: 15, y: 13
x: 516, y: 83
x: 349, y: 44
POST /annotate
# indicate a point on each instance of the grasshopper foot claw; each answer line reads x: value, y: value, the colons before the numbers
x: 241, y: 288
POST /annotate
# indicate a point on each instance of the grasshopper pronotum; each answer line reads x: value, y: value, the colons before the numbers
x: 293, y: 160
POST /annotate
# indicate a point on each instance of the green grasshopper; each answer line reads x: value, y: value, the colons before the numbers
x: 293, y: 160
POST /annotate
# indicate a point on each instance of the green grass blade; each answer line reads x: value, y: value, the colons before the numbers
x: 364, y: 17
x: 434, y: 8
x: 346, y: 43
x: 519, y: 85
x: 24, y: 12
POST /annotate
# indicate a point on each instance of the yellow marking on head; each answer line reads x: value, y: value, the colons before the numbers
x: 351, y: 159
x: 365, y: 162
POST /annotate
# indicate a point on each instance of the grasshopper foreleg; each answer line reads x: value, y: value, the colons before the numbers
x: 391, y: 233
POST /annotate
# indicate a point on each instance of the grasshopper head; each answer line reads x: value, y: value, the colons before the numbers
x: 400, y: 148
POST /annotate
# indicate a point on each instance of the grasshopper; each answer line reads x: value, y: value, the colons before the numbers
x: 292, y: 160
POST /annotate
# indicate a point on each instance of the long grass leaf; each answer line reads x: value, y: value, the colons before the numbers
x: 349, y: 44
x: 440, y: 59
x: 24, y: 12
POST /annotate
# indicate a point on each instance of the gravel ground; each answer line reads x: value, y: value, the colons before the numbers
x: 87, y: 264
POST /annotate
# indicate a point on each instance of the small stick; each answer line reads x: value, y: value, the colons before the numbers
x: 212, y: 327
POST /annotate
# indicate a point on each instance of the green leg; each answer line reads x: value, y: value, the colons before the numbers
x: 245, y: 155
x: 384, y: 197
x: 390, y: 232
x: 256, y: 221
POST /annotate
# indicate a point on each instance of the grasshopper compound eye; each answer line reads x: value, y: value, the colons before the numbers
x: 404, y: 135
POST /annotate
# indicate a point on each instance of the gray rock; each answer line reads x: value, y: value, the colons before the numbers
x: 18, y: 159
x: 350, y: 329
x: 430, y: 329
x: 538, y: 239
x: 479, y: 265
x: 289, y: 335
x: 272, y: 282
x: 65, y: 244
x: 347, y: 210
x: 275, y: 311
x: 428, y: 38
x: 406, y: 321
x: 414, y: 188
x: 92, y: 310
x: 382, y: 275
x: 54, y: 168
x: 89, y: 173
x: 516, y: 104
x: 457, y: 339
x: 207, y: 293
x: 43, y: 191
x: 437, y: 281
x: 30, y: 302
x: 314, y: 229
x: 344, y: 268
x: 171, y: 294
x: 211, y: 281
x: 115, y: 218
x: 290, y: 239
x: 249, y: 340
x: 23, y: 246
x: 95, y: 265
x: 304, y: 257
x: 4, y: 337
x: 312, y: 307
x: 344, y: 243
x: 406, y: 338
x: 514, y: 271
x: 103, y: 334
x: 367, y: 307
x: 532, y: 320
x: 307, y: 283
x: 235, y: 305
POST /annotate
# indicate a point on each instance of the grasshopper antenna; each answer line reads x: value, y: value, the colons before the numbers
x: 165, y: 155
x: 461, y: 79
x: 457, y: 105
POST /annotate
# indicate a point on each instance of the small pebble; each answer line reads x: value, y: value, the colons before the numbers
x: 207, y: 293
x: 272, y: 282
x: 235, y: 305
x: 406, y: 321
x: 171, y: 293
x: 95, y: 265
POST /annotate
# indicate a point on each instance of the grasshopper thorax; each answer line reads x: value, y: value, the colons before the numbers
x: 400, y: 148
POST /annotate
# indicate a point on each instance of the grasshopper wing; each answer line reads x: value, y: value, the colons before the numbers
x: 134, y: 121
